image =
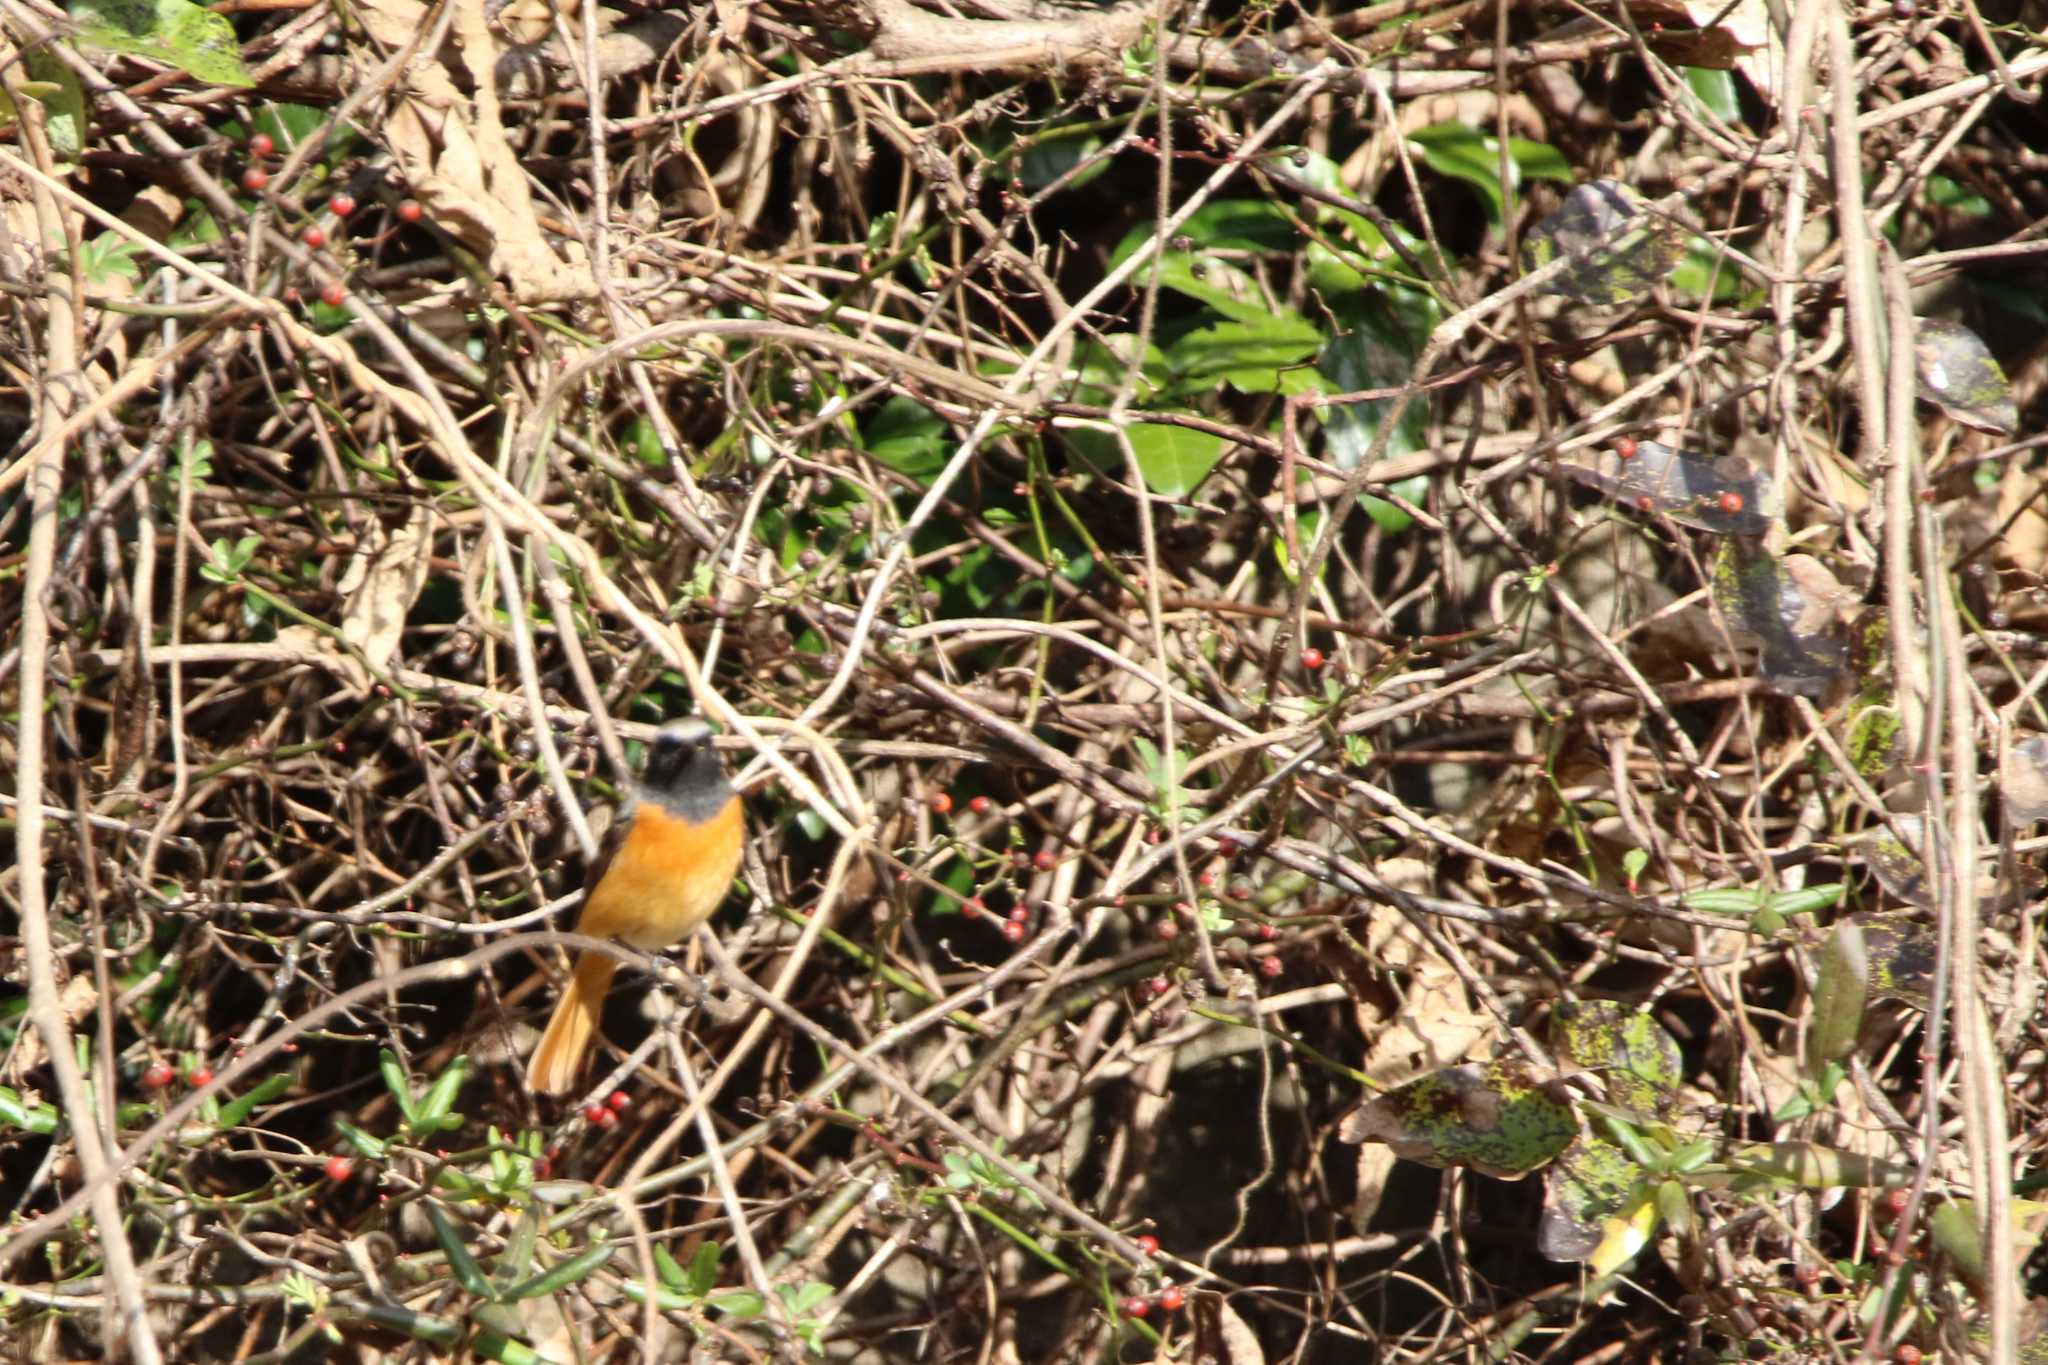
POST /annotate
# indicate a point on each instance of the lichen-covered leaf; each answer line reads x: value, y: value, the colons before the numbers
x: 1898, y: 862
x: 1728, y: 496
x: 1501, y: 1119
x: 1901, y: 958
x: 1958, y: 375
x: 1638, y: 1059
x: 1596, y: 1206
x: 175, y: 32
x: 1791, y: 608
x: 1616, y: 252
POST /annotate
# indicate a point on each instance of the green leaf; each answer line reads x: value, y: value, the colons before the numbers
x: 372, y: 1147
x: 572, y: 1271
x: 1839, y: 997
x: 1221, y: 284
x: 395, y: 1082
x: 467, y: 1272
x: 1249, y: 356
x: 909, y: 438
x: 174, y: 32
x: 1376, y: 352
x: 63, y: 99
x: 704, y: 1269
x: 1052, y: 154
x: 1465, y: 153
x: 40, y: 1119
x: 106, y: 258
x: 1172, y: 459
x: 235, y: 1111
x: 1715, y: 90
x: 440, y: 1097
x: 1241, y: 225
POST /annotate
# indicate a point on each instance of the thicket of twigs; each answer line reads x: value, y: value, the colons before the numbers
x: 1212, y: 624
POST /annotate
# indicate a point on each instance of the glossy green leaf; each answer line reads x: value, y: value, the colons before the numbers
x: 1173, y: 459
x: 1248, y: 356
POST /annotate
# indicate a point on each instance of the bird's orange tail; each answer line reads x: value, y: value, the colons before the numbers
x: 552, y: 1071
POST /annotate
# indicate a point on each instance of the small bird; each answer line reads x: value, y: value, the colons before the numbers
x: 667, y: 862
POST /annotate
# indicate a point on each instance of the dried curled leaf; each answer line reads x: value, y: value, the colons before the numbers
x: 1792, y: 609
x: 1728, y: 496
x: 1502, y: 1119
x: 1958, y: 375
x: 1617, y: 252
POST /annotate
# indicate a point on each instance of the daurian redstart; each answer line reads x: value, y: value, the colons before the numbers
x: 667, y: 862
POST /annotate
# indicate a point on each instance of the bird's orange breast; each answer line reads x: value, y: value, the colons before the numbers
x: 666, y: 878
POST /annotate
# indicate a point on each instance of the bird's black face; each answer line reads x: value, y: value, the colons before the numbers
x: 683, y: 772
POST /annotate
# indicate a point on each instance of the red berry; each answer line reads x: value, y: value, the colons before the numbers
x: 1171, y: 1298
x: 1147, y: 1243
x: 973, y: 907
x: 1044, y: 860
x: 1207, y: 878
x: 1731, y: 502
x: 619, y: 1102
x: 1135, y: 1307
x: 1270, y: 967
x: 1159, y: 985
x: 1167, y: 930
x: 1625, y: 447
x: 1311, y: 658
x: 979, y: 805
x: 594, y: 1113
x: 606, y: 1118
x: 261, y: 144
x: 1907, y: 1354
x: 409, y: 211
x: 1227, y: 848
x: 339, y: 1169
x: 543, y: 1169
x: 1013, y: 931
x: 158, y: 1075
x: 199, y: 1075
x: 341, y: 205
x: 1268, y: 932
x: 332, y: 293
x: 941, y: 802
x: 254, y: 179
x: 1645, y: 503
x: 1896, y: 1200
x: 314, y: 236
